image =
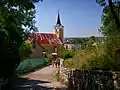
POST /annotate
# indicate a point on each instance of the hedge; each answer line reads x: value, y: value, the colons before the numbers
x: 29, y: 65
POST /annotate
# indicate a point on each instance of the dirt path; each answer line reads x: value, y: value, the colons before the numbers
x: 43, y: 79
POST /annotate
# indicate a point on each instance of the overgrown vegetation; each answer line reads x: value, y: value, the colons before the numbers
x: 82, y: 57
x: 25, y: 50
x: 85, y: 40
x: 105, y: 55
x: 58, y: 75
x: 65, y: 54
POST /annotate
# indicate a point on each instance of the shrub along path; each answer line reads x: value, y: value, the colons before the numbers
x: 43, y: 79
x: 30, y: 64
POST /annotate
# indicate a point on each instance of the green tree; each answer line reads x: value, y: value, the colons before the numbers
x: 111, y: 8
x: 64, y: 53
x: 16, y: 17
x: 92, y: 39
x: 109, y: 27
x: 25, y: 50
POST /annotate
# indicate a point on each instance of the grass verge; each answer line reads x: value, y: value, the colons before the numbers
x: 58, y: 75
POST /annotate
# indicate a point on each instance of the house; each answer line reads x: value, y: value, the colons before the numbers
x: 77, y: 46
x: 72, y: 46
x: 47, y: 42
x: 68, y: 45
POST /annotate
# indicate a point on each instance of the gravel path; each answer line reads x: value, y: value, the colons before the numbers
x: 43, y: 79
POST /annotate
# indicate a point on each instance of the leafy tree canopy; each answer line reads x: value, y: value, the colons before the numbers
x: 109, y: 27
x: 111, y: 7
x: 16, y: 17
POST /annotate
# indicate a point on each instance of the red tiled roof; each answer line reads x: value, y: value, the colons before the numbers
x: 46, y: 38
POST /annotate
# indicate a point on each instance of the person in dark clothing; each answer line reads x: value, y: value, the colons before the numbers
x: 50, y: 60
x: 57, y: 63
x: 45, y: 56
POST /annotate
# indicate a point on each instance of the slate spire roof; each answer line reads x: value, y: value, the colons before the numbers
x: 58, y: 19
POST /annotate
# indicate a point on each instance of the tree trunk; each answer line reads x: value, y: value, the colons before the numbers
x: 114, y: 14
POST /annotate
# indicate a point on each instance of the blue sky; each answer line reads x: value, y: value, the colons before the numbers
x: 79, y: 17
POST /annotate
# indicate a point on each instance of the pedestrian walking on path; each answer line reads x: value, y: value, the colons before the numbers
x: 57, y: 63
x: 50, y: 60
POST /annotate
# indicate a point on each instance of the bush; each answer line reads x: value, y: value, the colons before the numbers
x: 97, y: 59
x: 105, y: 56
x: 65, y: 54
x: 81, y: 59
x: 68, y: 54
x: 68, y: 63
x: 25, y: 50
x: 103, y: 62
x: 107, y: 59
x: 29, y: 65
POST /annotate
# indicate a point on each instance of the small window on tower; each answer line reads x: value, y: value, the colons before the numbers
x: 60, y: 29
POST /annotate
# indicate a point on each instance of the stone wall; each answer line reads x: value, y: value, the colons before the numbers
x: 89, y: 79
x: 64, y: 72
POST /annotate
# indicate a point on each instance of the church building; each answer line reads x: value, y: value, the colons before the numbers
x: 47, y: 42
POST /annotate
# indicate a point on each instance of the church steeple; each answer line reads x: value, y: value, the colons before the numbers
x: 59, y: 28
x: 58, y: 19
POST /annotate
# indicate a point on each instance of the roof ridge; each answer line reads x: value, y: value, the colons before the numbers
x: 45, y: 33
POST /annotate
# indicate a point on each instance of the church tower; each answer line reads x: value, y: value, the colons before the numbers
x: 59, y: 28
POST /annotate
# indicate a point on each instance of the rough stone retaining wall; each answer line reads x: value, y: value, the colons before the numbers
x: 64, y: 72
x: 89, y: 79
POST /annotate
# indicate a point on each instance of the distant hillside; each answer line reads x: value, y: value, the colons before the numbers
x: 69, y: 38
x: 81, y: 40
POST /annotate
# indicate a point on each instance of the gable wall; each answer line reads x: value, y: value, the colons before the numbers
x: 36, y: 52
x: 50, y: 48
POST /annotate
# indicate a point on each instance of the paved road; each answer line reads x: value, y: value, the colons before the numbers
x: 43, y: 79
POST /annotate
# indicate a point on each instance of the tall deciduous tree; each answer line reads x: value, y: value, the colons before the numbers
x: 111, y: 7
x: 109, y: 27
x: 16, y: 16
x: 111, y: 30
